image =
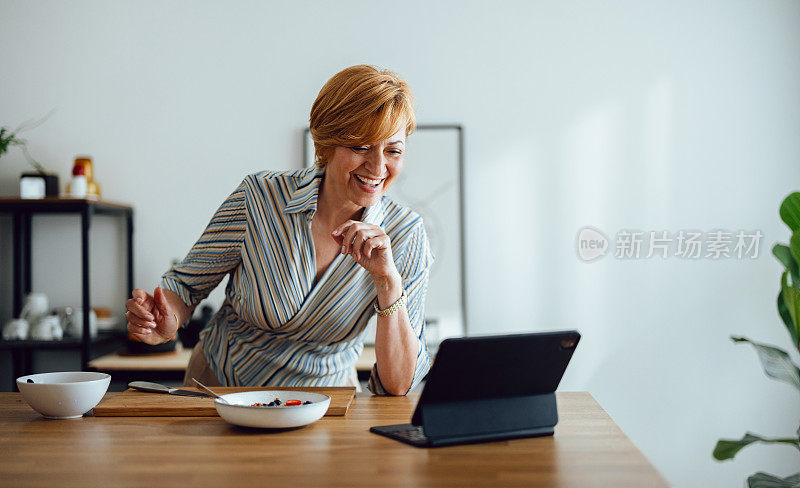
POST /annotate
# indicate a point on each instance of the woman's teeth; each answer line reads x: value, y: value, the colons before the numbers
x: 368, y: 181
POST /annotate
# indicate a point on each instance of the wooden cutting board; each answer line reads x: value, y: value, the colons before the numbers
x: 135, y: 403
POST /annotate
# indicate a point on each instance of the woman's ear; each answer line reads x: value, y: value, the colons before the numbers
x: 323, y: 155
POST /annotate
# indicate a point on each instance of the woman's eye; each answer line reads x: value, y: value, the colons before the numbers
x: 359, y: 148
x: 396, y: 153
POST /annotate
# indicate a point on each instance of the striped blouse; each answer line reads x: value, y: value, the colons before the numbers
x: 277, y: 327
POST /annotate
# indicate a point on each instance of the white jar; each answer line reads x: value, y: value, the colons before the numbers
x: 79, y: 186
x: 75, y: 327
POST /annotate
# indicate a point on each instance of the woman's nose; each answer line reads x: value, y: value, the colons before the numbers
x: 376, y: 163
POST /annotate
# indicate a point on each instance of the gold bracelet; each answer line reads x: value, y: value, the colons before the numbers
x: 176, y: 330
x: 392, y: 309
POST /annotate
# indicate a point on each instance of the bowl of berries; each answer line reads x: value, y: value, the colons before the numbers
x: 272, y: 409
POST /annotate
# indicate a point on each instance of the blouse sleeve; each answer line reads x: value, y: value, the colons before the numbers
x: 415, y: 260
x: 216, y: 253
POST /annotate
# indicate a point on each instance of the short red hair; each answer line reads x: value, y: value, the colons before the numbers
x: 360, y: 105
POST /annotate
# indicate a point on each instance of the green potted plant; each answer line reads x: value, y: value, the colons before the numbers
x: 776, y: 362
x: 42, y: 182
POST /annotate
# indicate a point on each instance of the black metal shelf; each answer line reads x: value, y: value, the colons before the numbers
x: 63, y: 205
x: 66, y: 343
x: 23, y: 211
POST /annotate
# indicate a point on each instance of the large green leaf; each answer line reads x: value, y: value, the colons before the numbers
x: 728, y: 448
x: 784, y: 255
x: 790, y: 211
x: 794, y: 247
x: 787, y: 319
x: 776, y: 362
x: 764, y: 480
x: 791, y: 298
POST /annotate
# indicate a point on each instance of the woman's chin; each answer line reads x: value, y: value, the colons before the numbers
x: 367, y: 201
x: 366, y: 198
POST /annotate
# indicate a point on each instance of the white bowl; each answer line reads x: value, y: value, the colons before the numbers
x: 242, y: 413
x: 66, y: 395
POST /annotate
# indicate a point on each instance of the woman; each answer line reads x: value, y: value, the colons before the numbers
x: 312, y: 254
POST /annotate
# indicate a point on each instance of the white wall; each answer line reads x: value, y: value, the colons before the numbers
x: 642, y: 115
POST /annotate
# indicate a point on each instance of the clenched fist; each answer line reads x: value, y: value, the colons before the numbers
x: 154, y: 319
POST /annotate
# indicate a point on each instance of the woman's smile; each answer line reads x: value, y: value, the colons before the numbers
x: 367, y: 184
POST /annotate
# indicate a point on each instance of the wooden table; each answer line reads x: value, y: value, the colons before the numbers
x: 176, y: 360
x: 588, y: 449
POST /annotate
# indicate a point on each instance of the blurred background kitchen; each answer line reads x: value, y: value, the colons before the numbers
x: 619, y: 116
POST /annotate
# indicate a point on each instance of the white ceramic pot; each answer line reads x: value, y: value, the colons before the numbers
x: 47, y: 329
x: 16, y: 330
x: 36, y: 306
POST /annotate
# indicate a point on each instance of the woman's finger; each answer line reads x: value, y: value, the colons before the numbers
x: 142, y: 297
x: 341, y: 229
x: 139, y: 293
x: 368, y: 247
x: 362, y: 236
x: 348, y: 236
x: 137, y: 309
x: 377, y: 242
x: 140, y: 322
x: 144, y: 331
x: 338, y: 236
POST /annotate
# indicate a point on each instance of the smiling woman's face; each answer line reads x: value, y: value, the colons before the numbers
x: 359, y: 176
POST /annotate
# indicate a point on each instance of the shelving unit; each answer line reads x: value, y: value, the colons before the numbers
x: 22, y: 211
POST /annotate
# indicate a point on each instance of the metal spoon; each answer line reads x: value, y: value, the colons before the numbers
x: 208, y: 390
